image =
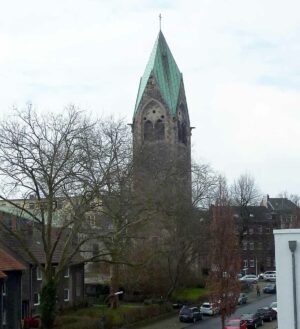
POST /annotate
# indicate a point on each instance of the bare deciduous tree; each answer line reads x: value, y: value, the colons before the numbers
x: 223, y: 284
x: 65, y: 158
x: 114, y: 204
x: 204, y: 185
x: 244, y: 191
x: 40, y: 158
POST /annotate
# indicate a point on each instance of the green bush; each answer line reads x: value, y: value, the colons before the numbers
x: 190, y: 294
x: 125, y: 315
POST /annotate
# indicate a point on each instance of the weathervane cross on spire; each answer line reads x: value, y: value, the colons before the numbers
x: 159, y: 16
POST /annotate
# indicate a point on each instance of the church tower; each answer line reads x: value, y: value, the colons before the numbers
x: 161, y: 128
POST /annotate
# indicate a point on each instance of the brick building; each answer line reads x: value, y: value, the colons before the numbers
x: 10, y: 291
x: 71, y: 285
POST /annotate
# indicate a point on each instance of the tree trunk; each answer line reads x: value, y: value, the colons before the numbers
x: 48, y: 301
x: 223, y: 320
x: 114, y: 285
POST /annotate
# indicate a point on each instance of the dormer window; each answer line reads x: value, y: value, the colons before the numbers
x: 67, y: 273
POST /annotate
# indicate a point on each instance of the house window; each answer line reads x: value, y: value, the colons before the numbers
x: 4, y: 289
x: 251, y: 230
x: 260, y: 229
x: 66, y: 295
x: 268, y: 230
x: 245, y: 263
x: 4, y: 321
x: 244, y: 245
x: 67, y: 273
x: 39, y: 274
x: 36, y: 298
x: 92, y: 220
x: 252, y: 263
x: 251, y: 244
x: 260, y: 246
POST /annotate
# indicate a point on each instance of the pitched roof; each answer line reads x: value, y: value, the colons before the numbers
x: 281, y: 204
x: 163, y: 67
x: 32, y: 237
x: 8, y: 263
x: 2, y: 275
x: 34, y: 242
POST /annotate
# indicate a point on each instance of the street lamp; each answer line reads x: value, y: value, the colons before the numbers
x: 103, y: 318
x: 293, y: 247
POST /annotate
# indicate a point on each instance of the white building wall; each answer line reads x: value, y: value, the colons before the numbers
x: 284, y: 277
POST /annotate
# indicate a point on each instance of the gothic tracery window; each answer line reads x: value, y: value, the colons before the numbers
x: 159, y: 130
x: 182, y: 133
x: 148, y: 131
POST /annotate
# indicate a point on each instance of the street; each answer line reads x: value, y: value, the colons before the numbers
x: 215, y: 322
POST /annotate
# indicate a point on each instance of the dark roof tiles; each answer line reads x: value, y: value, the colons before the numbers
x: 9, y: 263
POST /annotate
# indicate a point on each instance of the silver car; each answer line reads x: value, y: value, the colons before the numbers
x: 209, y: 309
x: 249, y: 278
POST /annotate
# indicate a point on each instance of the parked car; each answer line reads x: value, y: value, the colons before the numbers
x: 253, y: 320
x: 249, y: 278
x: 274, y: 306
x: 235, y: 324
x: 242, y: 299
x: 270, y: 276
x: 270, y: 289
x: 178, y: 304
x: 261, y: 276
x: 267, y: 313
x: 209, y: 309
x: 190, y: 314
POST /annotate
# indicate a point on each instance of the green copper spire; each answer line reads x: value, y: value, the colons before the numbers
x: 165, y: 70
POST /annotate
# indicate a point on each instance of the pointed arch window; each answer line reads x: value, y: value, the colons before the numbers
x: 179, y: 131
x: 184, y: 134
x: 159, y: 130
x: 148, y: 131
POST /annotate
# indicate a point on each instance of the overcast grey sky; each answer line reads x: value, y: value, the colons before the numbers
x: 240, y: 61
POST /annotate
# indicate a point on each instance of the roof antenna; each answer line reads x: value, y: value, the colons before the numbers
x: 159, y: 16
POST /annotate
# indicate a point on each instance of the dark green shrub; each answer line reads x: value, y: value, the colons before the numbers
x: 47, y: 307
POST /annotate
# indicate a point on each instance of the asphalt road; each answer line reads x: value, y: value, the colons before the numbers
x: 215, y: 322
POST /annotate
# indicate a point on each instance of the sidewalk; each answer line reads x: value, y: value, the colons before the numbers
x: 252, y: 295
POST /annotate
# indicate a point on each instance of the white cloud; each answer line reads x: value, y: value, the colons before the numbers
x: 240, y: 61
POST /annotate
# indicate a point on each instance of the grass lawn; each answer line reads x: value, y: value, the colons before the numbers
x: 90, y: 317
x: 190, y: 294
